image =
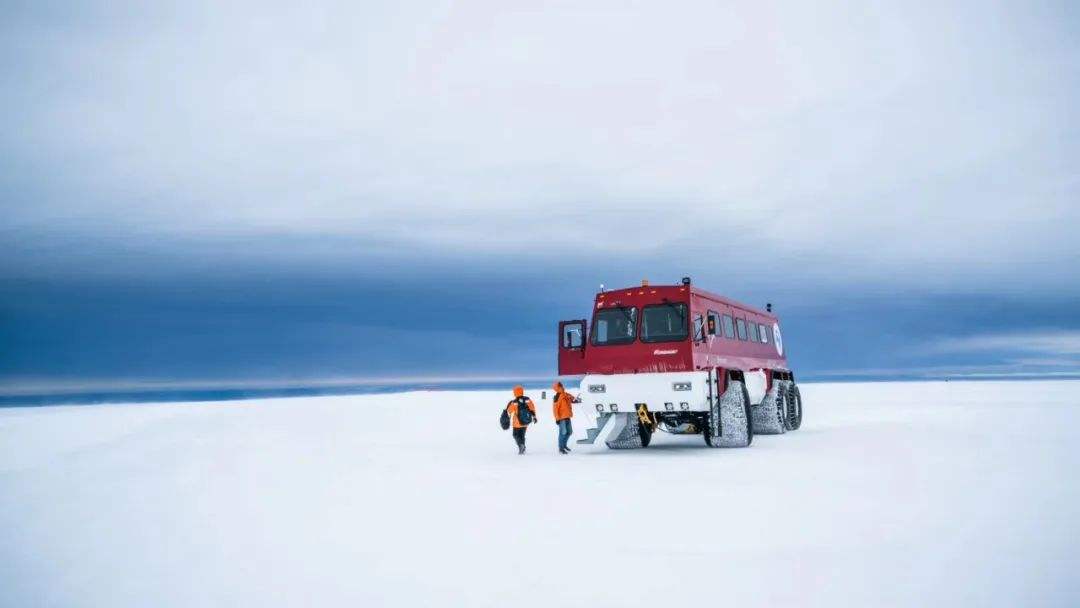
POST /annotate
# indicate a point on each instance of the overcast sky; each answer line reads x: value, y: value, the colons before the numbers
x: 257, y: 191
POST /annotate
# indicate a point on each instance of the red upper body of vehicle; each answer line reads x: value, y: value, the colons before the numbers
x: 669, y: 328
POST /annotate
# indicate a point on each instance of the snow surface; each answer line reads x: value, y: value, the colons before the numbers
x: 911, y: 494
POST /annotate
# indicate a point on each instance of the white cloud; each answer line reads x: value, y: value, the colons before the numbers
x: 905, y: 144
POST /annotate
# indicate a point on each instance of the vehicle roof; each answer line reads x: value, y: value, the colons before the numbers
x: 708, y: 295
x: 730, y: 302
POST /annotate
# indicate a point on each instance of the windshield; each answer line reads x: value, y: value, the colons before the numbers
x: 614, y: 326
x: 664, y: 323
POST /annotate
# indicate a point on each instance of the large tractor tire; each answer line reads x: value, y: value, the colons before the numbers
x: 645, y: 431
x: 632, y: 436
x: 769, y: 416
x: 793, y: 419
x: 729, y: 421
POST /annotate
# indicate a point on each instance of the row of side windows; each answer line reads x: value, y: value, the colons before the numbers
x: 731, y: 327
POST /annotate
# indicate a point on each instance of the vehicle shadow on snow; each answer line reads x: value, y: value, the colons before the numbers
x: 680, y: 452
x: 682, y: 446
x: 674, y: 447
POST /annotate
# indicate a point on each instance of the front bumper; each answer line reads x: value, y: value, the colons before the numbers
x: 667, y: 391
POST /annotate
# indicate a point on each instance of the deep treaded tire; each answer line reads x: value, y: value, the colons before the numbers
x: 645, y: 432
x: 631, y: 436
x: 793, y: 419
x: 729, y: 421
x: 768, y: 416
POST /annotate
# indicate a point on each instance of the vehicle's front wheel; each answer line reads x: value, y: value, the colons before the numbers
x: 645, y: 432
x: 728, y: 424
x: 631, y: 436
x: 793, y: 419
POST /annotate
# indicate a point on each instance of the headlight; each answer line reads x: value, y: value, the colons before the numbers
x: 684, y: 405
x: 681, y: 386
x: 597, y: 388
x: 600, y: 407
x: 669, y: 406
x: 614, y: 407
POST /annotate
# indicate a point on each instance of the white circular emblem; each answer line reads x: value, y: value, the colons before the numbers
x: 777, y: 339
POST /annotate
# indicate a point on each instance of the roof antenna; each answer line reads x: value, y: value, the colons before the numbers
x: 601, y: 288
x: 768, y: 307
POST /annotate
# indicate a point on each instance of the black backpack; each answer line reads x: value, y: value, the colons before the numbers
x: 524, y: 415
x: 504, y: 419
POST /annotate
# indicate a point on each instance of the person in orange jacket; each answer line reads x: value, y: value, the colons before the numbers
x: 522, y: 414
x: 562, y: 405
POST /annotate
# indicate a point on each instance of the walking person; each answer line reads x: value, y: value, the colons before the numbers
x: 562, y: 405
x: 522, y: 414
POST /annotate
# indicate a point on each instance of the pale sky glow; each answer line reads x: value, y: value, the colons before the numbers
x: 929, y: 148
x: 1051, y: 343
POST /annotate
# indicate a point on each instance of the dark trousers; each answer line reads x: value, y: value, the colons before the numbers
x: 519, y: 436
x: 565, y: 430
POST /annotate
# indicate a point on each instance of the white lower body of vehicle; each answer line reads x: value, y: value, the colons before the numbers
x: 630, y: 407
x: 662, y: 391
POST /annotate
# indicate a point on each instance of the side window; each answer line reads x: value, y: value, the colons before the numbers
x: 729, y: 327
x: 699, y: 329
x: 764, y: 334
x: 713, y: 324
x: 573, y: 336
x: 754, y: 332
x: 741, y: 325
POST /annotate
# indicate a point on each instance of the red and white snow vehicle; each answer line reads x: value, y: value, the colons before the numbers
x: 679, y: 359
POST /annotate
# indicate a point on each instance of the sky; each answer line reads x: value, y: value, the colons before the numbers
x: 264, y: 192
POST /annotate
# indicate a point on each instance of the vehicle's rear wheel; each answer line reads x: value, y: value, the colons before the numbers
x: 728, y: 424
x: 768, y: 416
x: 793, y: 419
x: 748, y: 412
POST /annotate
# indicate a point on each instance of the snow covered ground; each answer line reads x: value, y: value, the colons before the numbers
x: 907, y: 494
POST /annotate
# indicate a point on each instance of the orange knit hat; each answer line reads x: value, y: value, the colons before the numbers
x: 519, y: 391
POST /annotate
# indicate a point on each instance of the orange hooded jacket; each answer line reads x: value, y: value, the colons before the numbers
x: 512, y: 407
x: 561, y: 404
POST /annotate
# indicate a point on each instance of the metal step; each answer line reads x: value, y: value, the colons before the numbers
x: 592, y: 433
